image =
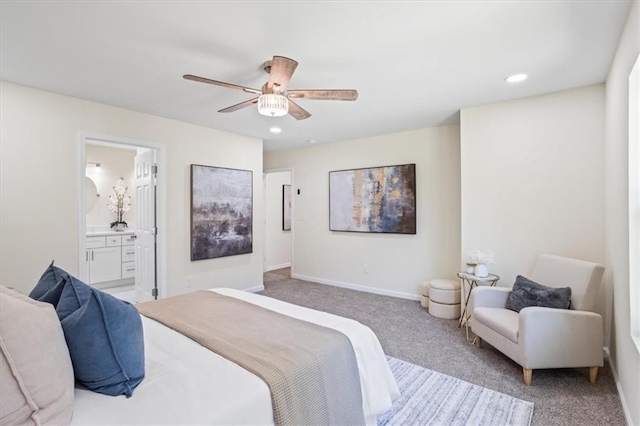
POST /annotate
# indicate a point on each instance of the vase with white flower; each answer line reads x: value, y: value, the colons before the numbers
x: 482, y: 259
x: 119, y: 203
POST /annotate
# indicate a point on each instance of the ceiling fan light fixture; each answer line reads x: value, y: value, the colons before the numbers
x: 273, y: 105
x: 274, y: 100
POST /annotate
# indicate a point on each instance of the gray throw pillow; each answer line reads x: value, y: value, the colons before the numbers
x: 529, y: 293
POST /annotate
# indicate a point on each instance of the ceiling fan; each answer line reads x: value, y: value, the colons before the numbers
x: 274, y: 99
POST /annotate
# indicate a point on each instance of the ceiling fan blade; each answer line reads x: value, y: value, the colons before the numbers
x: 240, y: 105
x: 220, y: 83
x: 331, y: 95
x: 297, y: 112
x: 281, y: 71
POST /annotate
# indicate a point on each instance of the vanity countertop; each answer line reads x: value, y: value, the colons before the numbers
x: 107, y: 233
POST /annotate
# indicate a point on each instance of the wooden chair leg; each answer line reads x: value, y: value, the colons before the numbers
x: 593, y: 374
x: 478, y: 342
x: 527, y: 376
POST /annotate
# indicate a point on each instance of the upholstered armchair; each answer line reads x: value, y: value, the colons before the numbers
x: 538, y: 337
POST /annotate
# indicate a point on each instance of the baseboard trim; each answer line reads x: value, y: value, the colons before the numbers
x: 255, y: 289
x: 282, y: 265
x: 357, y: 287
x: 625, y: 407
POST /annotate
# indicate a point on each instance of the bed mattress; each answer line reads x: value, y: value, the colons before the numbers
x: 186, y: 383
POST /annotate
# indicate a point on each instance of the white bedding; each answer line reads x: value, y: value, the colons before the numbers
x: 186, y: 383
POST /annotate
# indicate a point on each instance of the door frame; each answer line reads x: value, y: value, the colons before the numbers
x: 161, y: 199
x: 293, y: 214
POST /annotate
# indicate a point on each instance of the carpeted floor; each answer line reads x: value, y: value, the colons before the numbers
x: 285, y: 272
x: 408, y: 332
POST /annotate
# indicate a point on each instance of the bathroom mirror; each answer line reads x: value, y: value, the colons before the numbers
x: 91, y: 194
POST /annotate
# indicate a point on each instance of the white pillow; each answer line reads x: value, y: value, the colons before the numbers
x: 35, y: 366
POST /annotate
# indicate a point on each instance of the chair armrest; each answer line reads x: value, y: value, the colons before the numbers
x: 488, y: 297
x: 560, y: 338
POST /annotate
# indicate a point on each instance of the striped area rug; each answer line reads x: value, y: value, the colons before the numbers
x: 430, y: 398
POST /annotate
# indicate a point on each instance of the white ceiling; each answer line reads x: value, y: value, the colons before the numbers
x: 414, y: 64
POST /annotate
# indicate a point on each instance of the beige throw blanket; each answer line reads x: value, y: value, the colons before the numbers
x: 311, y: 370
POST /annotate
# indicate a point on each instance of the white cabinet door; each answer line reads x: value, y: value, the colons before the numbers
x: 105, y: 264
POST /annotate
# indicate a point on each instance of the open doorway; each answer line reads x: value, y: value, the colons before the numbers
x: 121, y: 208
x: 279, y: 222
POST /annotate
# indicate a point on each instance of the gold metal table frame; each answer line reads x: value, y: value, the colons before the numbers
x: 471, y: 281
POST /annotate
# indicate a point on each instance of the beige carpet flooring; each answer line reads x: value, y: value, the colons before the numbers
x: 406, y: 331
x: 285, y: 272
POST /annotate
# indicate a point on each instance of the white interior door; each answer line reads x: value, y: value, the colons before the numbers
x: 145, y: 228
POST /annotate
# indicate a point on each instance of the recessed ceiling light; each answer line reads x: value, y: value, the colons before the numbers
x: 275, y: 130
x: 311, y: 141
x: 516, y: 78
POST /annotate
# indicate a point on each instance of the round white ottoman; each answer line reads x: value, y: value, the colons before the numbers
x: 444, y: 299
x: 424, y: 298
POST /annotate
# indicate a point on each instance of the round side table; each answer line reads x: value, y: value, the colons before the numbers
x: 470, y: 281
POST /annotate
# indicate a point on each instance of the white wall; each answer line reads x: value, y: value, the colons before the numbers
x: 114, y: 164
x: 278, y: 242
x: 38, y: 178
x: 624, y: 355
x: 532, y: 180
x: 397, y: 263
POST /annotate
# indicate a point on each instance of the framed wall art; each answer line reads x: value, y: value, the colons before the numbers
x: 221, y: 212
x: 375, y: 199
x: 286, y: 207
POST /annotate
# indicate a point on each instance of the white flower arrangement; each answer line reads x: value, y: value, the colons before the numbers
x: 481, y: 257
x: 120, y: 203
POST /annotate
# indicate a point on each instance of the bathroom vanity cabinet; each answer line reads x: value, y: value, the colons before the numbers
x: 110, y: 257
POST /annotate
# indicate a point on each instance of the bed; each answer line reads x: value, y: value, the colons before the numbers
x: 205, y: 388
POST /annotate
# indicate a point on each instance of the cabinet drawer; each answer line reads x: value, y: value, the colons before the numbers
x: 95, y: 242
x: 128, y: 253
x: 128, y: 240
x: 128, y: 270
x: 114, y: 240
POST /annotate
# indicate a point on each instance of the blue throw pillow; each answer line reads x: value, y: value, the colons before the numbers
x: 527, y: 293
x: 104, y: 335
x: 46, y: 289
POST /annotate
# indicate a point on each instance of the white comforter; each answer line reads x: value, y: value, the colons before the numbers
x: 186, y: 383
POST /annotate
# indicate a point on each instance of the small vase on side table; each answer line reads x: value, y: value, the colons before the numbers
x: 481, y: 270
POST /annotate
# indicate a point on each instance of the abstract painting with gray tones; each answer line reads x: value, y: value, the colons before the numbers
x: 377, y: 199
x: 286, y: 207
x: 221, y: 212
